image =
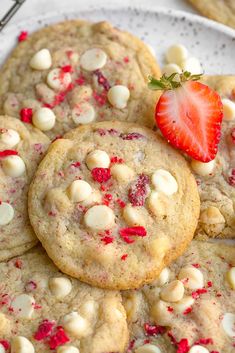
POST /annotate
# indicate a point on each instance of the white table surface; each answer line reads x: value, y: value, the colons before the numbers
x: 32, y: 7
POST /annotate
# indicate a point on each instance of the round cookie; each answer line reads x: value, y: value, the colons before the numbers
x: 81, y: 72
x: 204, y: 313
x: 21, y: 150
x: 216, y: 179
x: 113, y: 203
x: 42, y: 310
x: 220, y: 10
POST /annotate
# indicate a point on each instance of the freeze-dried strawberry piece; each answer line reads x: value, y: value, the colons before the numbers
x: 204, y: 341
x: 44, y: 330
x: 183, y: 346
x: 30, y: 286
x: 196, y: 265
x: 102, y: 80
x: 139, y: 190
x: 59, y: 338
x: 116, y: 160
x: 76, y: 164
x: 107, y: 240
x: 123, y: 257
x: 101, y: 175
x: 7, y: 153
x: 188, y: 310
x: 5, y: 344
x: 22, y: 36
x: 154, y: 330
x: 196, y: 294
x: 233, y: 135
x: 67, y: 68
x: 26, y: 115
x: 121, y: 203
x: 80, y: 80
x: 101, y: 98
x: 231, y: 178
x: 127, y: 233
x: 132, y: 136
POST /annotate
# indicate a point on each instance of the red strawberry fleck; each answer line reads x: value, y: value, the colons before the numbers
x: 139, y: 190
x: 26, y: 115
x: 18, y: 263
x: 127, y: 233
x: 44, y: 330
x: 209, y: 284
x: 67, y: 68
x: 116, y: 160
x: 101, y: 98
x: 188, y: 310
x: 101, y: 175
x: 76, y: 164
x: 59, y: 338
x: 196, y: 294
x: 196, y: 265
x: 123, y: 257
x: 233, y: 135
x: 189, y: 115
x: 154, y: 330
x: 102, y: 80
x: 231, y: 178
x: 22, y: 36
x: 5, y: 344
x: 204, y: 341
x: 170, y: 309
x: 30, y: 286
x: 107, y: 240
x: 183, y: 346
x: 121, y: 203
x: 126, y: 59
x: 7, y: 153
x: 214, y: 352
x: 131, y: 136
x: 80, y: 80
x: 131, y: 346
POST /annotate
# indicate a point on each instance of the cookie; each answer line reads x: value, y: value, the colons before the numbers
x: 44, y: 310
x: 112, y: 203
x: 220, y: 10
x: 77, y: 72
x: 191, y: 304
x: 216, y: 179
x: 21, y: 150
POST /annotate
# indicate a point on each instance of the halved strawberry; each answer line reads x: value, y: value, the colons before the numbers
x: 189, y: 115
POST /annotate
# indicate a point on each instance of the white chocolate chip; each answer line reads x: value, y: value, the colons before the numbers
x: 10, y: 137
x: 172, y: 292
x: 41, y: 60
x: 44, y: 119
x: 157, y: 205
x: 93, y: 59
x: 198, y: 349
x: 133, y: 215
x: 79, y: 190
x: 211, y: 215
x: 176, y: 54
x: 75, y: 325
x: 94, y: 198
x: 97, y: 159
x: 160, y: 313
x: 118, y: 96
x: 231, y: 277
x: 228, y: 324
x: 148, y: 348
x: 83, y: 114
x: 164, y: 182
x: 201, y: 168
x: 122, y: 173
x: 170, y: 69
x: 151, y: 49
x: 58, y: 80
x: 89, y: 308
x: 67, y: 349
x: 6, y: 213
x: 21, y: 344
x: 192, y: 65
x: 13, y: 166
x: 23, y: 306
x: 229, y: 109
x: 183, y: 304
x: 191, y: 277
x: 60, y: 287
x: 99, y: 217
x: 163, y: 278
x: 2, y: 349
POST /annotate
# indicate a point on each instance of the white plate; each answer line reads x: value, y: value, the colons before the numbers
x: 212, y: 43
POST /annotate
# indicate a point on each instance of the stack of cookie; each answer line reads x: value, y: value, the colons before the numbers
x: 98, y: 211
